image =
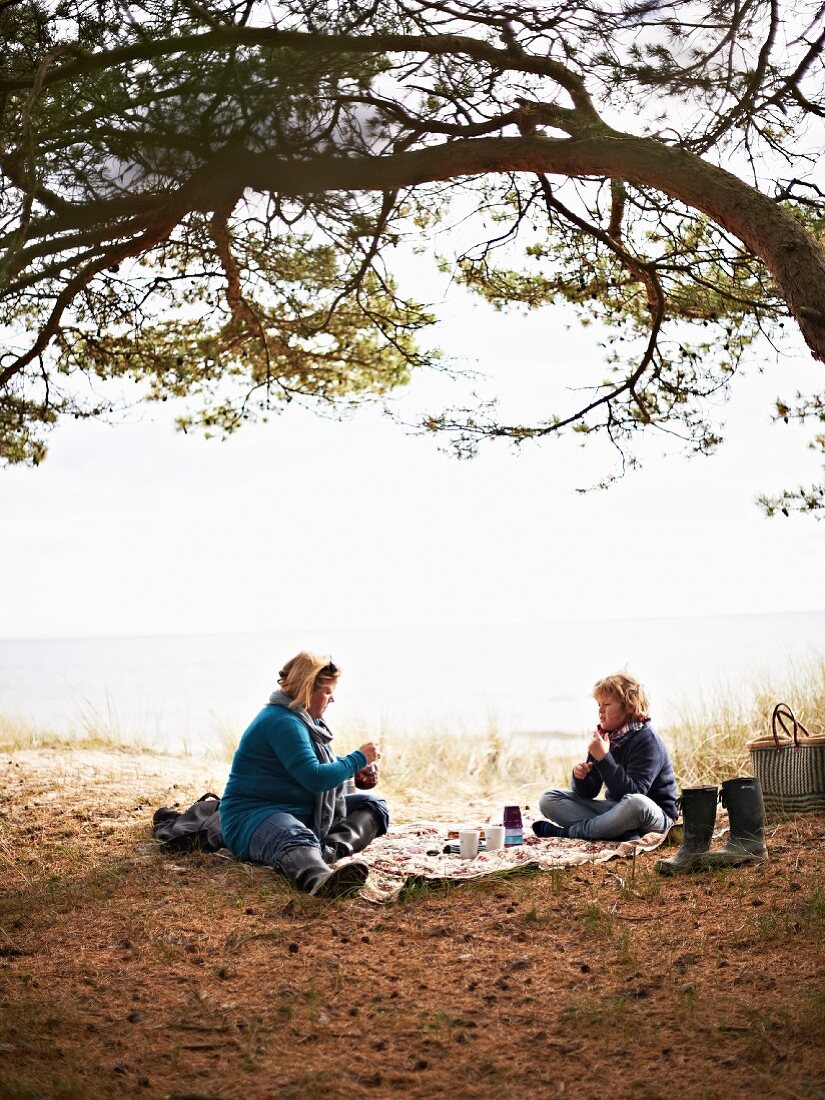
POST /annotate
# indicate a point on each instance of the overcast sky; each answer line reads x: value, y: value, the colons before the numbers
x: 136, y: 529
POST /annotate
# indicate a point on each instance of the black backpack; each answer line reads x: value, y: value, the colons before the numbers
x: 199, y: 827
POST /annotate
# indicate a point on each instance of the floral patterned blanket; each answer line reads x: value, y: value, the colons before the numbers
x: 411, y: 855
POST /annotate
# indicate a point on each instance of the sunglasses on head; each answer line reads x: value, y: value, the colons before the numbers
x: 329, y: 670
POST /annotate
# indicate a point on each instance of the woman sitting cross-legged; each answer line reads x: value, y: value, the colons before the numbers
x: 629, y: 759
x: 284, y: 803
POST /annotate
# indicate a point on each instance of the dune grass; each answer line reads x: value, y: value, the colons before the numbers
x: 706, y: 746
x: 18, y: 732
x: 711, y: 745
x: 484, y: 764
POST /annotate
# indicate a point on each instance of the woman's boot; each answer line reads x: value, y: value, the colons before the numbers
x: 746, y: 844
x: 353, y: 833
x: 306, y: 868
x: 699, y: 815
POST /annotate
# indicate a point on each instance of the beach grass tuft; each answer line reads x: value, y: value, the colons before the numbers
x: 482, y: 763
x: 18, y: 732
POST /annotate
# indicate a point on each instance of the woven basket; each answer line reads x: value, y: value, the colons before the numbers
x: 792, y: 772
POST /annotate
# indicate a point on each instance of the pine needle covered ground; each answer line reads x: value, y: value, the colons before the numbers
x: 125, y: 971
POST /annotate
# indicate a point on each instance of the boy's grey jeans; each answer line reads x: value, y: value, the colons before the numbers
x: 601, y: 819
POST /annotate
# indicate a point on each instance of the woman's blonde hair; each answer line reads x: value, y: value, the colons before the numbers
x: 301, y: 675
x: 627, y: 690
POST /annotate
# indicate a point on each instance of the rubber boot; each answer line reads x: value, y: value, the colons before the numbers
x: 306, y: 868
x: 699, y: 815
x: 746, y: 844
x: 353, y: 833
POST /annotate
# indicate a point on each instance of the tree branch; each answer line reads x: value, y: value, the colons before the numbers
x: 315, y: 44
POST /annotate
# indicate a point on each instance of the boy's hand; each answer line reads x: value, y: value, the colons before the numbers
x: 599, y: 746
x: 581, y: 771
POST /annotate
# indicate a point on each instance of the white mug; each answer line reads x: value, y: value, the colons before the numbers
x: 468, y: 842
x: 495, y: 837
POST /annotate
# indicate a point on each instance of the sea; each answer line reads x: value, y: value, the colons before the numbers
x: 534, y: 680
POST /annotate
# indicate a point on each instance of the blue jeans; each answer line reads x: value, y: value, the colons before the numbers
x: 280, y: 832
x: 602, y: 819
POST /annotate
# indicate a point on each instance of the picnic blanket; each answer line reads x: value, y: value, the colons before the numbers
x: 412, y: 855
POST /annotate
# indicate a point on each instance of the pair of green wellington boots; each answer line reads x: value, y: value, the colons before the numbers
x: 746, y: 844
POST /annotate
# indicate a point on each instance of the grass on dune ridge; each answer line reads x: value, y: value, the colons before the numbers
x: 706, y: 746
x: 710, y: 745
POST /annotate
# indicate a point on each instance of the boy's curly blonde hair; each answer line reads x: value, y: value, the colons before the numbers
x: 627, y: 690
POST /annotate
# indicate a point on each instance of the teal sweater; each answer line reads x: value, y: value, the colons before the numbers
x: 276, y: 770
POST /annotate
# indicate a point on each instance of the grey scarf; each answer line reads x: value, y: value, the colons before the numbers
x: 330, y: 806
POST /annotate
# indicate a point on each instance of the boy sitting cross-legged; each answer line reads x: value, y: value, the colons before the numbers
x: 629, y: 760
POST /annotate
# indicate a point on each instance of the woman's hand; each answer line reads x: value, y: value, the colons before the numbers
x: 370, y: 750
x: 581, y: 771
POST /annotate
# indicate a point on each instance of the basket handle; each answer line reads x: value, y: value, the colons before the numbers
x: 780, y: 712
